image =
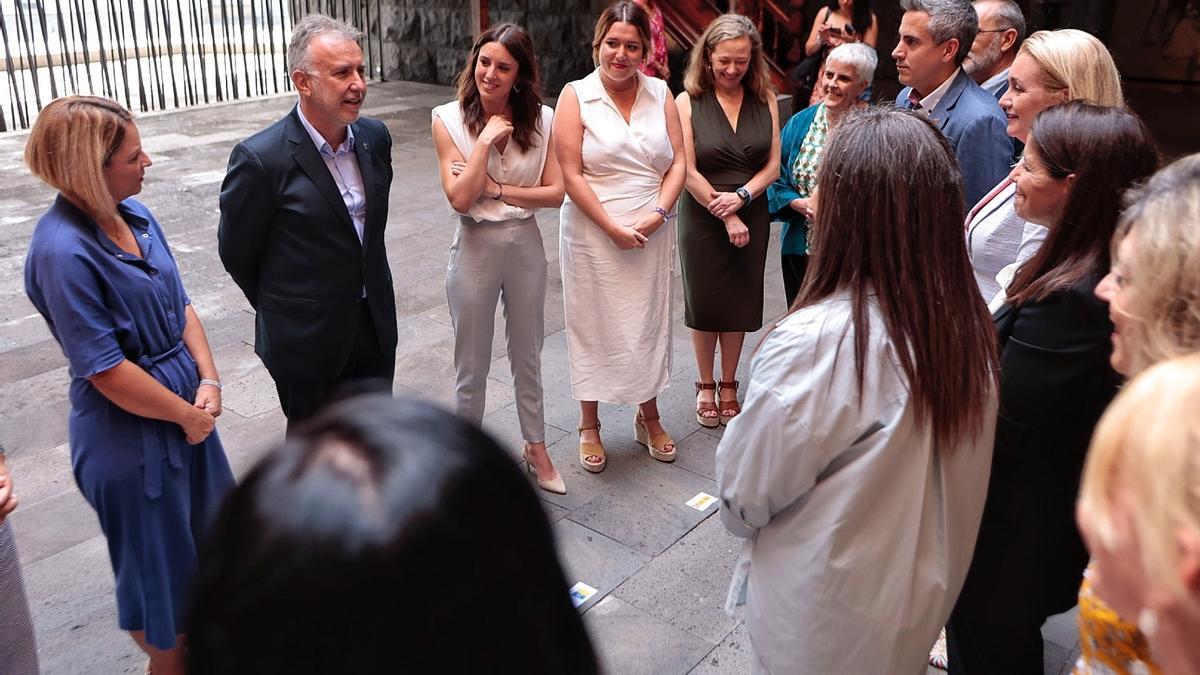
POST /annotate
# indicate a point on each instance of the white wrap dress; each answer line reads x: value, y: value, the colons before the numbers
x: 618, y: 303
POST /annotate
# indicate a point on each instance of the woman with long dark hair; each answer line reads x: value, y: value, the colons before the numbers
x: 384, y: 536
x: 1056, y: 382
x: 839, y: 22
x: 858, y: 467
x: 497, y: 166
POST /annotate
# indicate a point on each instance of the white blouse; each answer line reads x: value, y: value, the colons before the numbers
x: 859, y: 530
x: 512, y: 167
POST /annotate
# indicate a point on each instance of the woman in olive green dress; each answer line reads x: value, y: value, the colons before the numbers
x: 731, y: 138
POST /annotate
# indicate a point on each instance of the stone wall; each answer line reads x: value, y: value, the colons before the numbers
x: 430, y: 42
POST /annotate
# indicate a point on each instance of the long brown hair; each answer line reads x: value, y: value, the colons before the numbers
x: 526, y: 94
x: 698, y: 79
x: 889, y: 224
x: 1107, y: 150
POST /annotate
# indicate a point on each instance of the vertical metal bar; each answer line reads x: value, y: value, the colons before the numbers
x: 212, y: 32
x: 164, y: 8
x: 259, y: 76
x: 231, y: 81
x: 67, y: 51
x: 198, y: 87
x: 137, y: 62
x: 240, y: 24
x: 24, y: 35
x: 41, y: 9
x: 379, y: 40
x: 156, y: 55
x: 271, y: 60
x: 79, y: 34
x: 107, y: 78
x: 18, y: 106
x: 119, y: 44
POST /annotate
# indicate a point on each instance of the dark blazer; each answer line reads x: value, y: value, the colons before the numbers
x: 1055, y: 383
x: 972, y: 121
x: 287, y: 239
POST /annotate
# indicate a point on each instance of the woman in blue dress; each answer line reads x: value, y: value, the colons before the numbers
x: 144, y: 389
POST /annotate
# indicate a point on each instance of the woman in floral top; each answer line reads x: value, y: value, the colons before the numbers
x: 848, y: 71
x: 655, y: 63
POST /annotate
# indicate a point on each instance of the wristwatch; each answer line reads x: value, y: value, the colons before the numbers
x: 744, y: 194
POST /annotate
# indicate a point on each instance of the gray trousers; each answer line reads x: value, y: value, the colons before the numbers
x: 493, y: 261
x: 18, y: 652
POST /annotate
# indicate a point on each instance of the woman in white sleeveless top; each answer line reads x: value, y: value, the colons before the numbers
x: 619, y: 143
x: 497, y: 166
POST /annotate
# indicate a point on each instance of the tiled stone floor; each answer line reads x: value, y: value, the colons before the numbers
x: 661, y: 568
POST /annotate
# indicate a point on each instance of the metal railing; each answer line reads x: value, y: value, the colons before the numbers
x: 156, y: 54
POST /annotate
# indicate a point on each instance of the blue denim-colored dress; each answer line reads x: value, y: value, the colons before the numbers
x: 153, y: 492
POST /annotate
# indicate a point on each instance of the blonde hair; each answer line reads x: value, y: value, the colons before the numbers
x: 71, y: 142
x: 1148, y: 444
x: 1164, y: 265
x: 698, y: 78
x: 1077, y: 63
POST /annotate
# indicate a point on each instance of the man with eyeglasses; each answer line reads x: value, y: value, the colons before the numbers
x: 1001, y: 30
x: 932, y: 45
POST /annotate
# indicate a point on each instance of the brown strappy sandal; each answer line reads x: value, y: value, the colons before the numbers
x: 723, y: 405
x: 591, y: 451
x: 658, y: 443
x: 707, y: 407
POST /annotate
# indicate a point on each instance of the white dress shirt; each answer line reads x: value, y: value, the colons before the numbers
x: 859, y: 530
x: 343, y: 166
x: 935, y: 97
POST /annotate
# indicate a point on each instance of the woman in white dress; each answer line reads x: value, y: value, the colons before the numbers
x: 858, y: 468
x: 619, y: 143
x: 497, y: 166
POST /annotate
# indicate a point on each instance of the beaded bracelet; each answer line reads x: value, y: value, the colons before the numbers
x: 666, y: 215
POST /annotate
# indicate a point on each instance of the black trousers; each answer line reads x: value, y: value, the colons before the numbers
x: 982, y: 649
x: 794, y: 267
x: 368, y: 369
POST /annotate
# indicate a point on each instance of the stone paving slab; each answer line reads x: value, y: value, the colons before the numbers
x: 661, y: 568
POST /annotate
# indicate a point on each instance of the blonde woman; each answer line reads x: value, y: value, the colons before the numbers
x: 1153, y: 295
x: 1051, y: 67
x: 144, y: 389
x: 1139, y: 510
x: 731, y: 138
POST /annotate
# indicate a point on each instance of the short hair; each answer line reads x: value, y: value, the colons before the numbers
x: 948, y: 19
x: 387, y: 535
x: 526, y: 95
x: 1164, y: 302
x: 891, y: 197
x: 622, y: 11
x: 698, y: 78
x: 1009, y: 16
x: 1147, y: 443
x: 72, y: 140
x: 860, y: 56
x: 1108, y: 150
x: 314, y: 26
x: 1078, y: 63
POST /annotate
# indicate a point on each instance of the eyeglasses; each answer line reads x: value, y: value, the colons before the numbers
x: 994, y: 30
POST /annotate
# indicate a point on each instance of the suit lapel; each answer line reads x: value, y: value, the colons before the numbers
x: 363, y: 154
x: 941, y: 112
x: 309, y: 159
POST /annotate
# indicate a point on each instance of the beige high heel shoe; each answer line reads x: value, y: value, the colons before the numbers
x: 593, y: 451
x: 555, y: 485
x: 656, y: 444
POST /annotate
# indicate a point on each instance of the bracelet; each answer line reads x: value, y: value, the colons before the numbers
x: 500, y: 194
x: 666, y: 215
x: 214, y: 383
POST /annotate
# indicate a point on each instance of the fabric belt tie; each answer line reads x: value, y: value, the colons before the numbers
x: 154, y: 445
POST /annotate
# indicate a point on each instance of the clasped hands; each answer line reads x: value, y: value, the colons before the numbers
x: 636, y: 234
x: 203, y: 418
x: 725, y: 205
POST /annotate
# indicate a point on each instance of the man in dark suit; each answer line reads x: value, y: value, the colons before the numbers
x: 303, y: 210
x: 1001, y: 30
x: 933, y: 42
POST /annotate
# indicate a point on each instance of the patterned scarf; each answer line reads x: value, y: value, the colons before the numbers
x: 804, y: 171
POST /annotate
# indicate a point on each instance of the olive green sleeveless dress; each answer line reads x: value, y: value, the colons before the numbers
x: 722, y: 284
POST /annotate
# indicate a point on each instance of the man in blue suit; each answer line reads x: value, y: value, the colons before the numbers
x: 303, y: 209
x: 935, y: 37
